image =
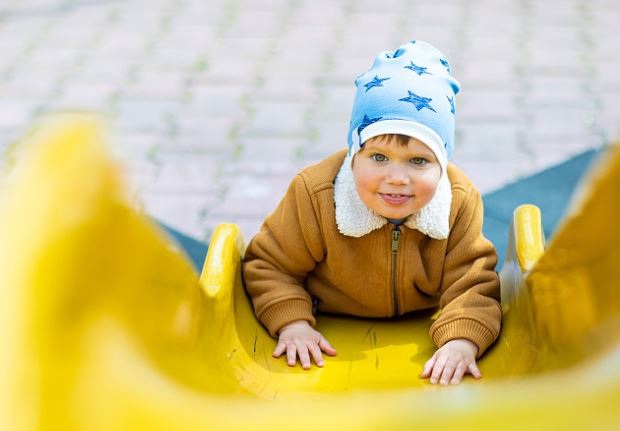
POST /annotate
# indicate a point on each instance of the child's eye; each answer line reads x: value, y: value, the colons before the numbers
x: 420, y: 161
x: 378, y: 157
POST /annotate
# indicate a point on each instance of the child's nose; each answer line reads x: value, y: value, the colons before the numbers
x: 398, y: 175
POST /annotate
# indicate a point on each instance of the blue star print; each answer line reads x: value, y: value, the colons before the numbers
x: 376, y: 82
x: 418, y: 101
x: 398, y: 53
x: 445, y: 64
x: 451, y: 100
x: 366, y: 122
x: 418, y: 69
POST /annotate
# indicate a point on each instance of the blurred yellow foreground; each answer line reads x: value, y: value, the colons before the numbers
x: 106, y: 326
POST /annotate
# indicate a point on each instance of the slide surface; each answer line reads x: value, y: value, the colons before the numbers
x: 106, y: 325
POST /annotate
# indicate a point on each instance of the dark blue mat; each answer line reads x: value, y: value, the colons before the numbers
x: 197, y: 250
x: 550, y: 190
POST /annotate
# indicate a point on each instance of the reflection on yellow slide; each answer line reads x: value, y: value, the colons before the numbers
x: 105, y: 325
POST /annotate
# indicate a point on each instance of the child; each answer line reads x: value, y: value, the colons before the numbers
x: 383, y: 229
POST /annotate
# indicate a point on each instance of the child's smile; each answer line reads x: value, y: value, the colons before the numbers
x: 395, y: 180
x: 395, y: 199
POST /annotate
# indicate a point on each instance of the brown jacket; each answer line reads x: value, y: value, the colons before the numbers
x: 299, y: 255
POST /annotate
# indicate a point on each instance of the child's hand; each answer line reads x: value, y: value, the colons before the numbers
x: 451, y: 361
x: 300, y: 339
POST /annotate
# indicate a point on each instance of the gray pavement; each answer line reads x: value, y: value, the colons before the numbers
x: 217, y: 103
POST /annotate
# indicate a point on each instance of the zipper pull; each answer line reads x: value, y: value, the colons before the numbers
x: 395, y: 239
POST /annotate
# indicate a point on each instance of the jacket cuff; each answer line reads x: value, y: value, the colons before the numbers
x: 469, y: 329
x: 285, y: 312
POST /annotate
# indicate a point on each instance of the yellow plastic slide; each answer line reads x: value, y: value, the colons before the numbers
x: 106, y: 326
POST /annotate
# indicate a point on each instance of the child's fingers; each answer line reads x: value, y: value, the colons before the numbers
x: 280, y: 348
x: 291, y: 355
x: 458, y: 373
x: 438, y: 369
x: 448, y: 371
x: 315, y: 351
x: 426, y: 372
x: 474, y: 370
x: 304, y: 357
x: 326, y: 347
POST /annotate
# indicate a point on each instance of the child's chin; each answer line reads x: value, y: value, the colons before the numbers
x: 396, y: 215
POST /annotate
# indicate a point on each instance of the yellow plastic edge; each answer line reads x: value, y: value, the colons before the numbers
x: 529, y: 236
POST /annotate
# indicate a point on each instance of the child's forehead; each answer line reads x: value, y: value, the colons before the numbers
x: 391, y: 141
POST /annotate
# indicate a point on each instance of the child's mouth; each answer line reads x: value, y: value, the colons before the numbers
x: 394, y: 199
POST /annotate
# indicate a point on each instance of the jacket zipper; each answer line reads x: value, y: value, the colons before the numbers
x: 395, y: 244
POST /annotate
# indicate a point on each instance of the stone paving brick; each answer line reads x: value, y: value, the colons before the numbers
x: 320, y: 13
x: 189, y: 144
x: 155, y: 84
x: 145, y: 115
x: 486, y: 75
x: 182, y: 174
x: 337, y: 103
x: 606, y: 19
x: 125, y: 44
x: 192, y: 124
x: 491, y: 175
x: 487, y: 142
x: 488, y: 105
x: 103, y: 69
x: 170, y: 58
x: 242, y: 49
x: 332, y: 136
x: 278, y: 89
x: 293, y: 65
x: 14, y: 114
x: 55, y: 60
x: 177, y: 210
x: 256, y: 23
x: 139, y: 146
x: 214, y: 134
x: 10, y: 46
x: 307, y: 39
x: 276, y: 119
x: 608, y: 76
x: 139, y: 175
x: 28, y: 85
x: 347, y: 69
x: 216, y: 100
x: 91, y: 97
x: 261, y: 150
x: 249, y: 197
x: 230, y: 70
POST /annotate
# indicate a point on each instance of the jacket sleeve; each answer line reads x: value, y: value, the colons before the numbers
x: 470, y: 292
x: 277, y: 260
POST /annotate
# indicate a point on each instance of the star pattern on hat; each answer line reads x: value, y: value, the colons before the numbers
x: 451, y: 100
x: 398, y: 53
x: 420, y: 70
x: 445, y: 64
x: 376, y: 82
x: 367, y: 122
x: 418, y: 101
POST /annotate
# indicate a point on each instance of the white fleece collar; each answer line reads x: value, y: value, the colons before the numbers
x: 355, y: 219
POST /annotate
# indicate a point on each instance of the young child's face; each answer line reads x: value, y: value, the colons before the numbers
x: 395, y: 180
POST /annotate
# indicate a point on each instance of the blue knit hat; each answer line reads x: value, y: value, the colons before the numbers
x: 410, y: 92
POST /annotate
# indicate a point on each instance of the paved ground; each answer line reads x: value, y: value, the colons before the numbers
x: 218, y: 103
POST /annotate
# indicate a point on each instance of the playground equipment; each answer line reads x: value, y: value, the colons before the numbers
x: 105, y: 324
